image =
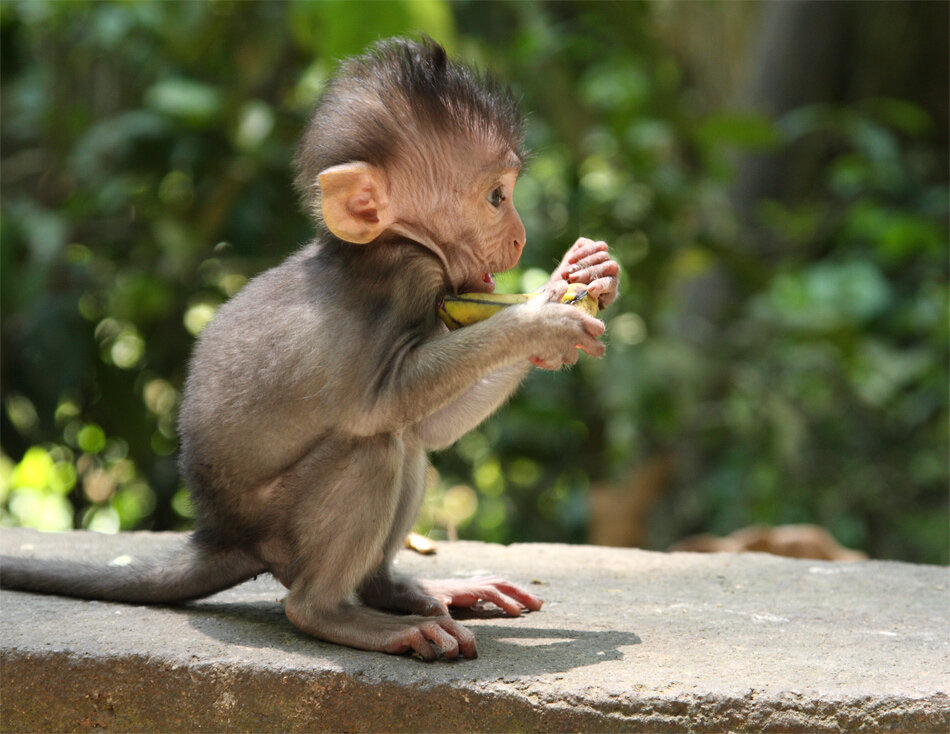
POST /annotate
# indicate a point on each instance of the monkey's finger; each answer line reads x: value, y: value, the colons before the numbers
x: 582, y: 243
x: 575, y: 252
x: 604, y: 290
x: 601, y: 261
x: 530, y: 601
x: 586, y: 262
x: 460, y: 598
x: 594, y: 348
x: 603, y: 269
x: 446, y: 642
x: 584, y: 248
x: 538, y: 362
x: 420, y: 645
x: 589, y: 342
x: 464, y: 636
x: 594, y: 327
x: 512, y: 607
x: 555, y: 290
x: 403, y: 641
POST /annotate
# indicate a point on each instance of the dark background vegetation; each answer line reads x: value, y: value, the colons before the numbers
x: 772, y: 177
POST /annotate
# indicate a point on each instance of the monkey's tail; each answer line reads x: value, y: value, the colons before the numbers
x: 191, y: 574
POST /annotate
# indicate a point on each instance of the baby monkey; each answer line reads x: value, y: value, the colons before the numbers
x: 315, y: 393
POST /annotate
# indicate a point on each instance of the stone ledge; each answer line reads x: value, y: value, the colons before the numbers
x: 628, y: 640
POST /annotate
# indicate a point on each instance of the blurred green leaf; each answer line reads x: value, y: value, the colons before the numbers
x: 612, y: 87
x: 900, y: 115
x: 109, y: 141
x: 186, y: 99
x: 34, y: 470
x: 830, y: 296
x: 91, y: 439
x: 897, y: 235
x: 791, y: 368
x: 750, y: 131
x: 338, y: 28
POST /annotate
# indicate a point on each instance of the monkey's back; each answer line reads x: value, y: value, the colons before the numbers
x: 294, y: 357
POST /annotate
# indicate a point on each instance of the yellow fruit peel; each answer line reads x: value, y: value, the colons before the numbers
x: 470, y: 308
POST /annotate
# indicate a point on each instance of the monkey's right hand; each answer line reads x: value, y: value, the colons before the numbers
x: 557, y: 331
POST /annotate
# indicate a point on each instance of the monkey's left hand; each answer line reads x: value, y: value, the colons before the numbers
x: 588, y: 262
x: 468, y: 592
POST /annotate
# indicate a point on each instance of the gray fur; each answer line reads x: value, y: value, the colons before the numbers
x: 312, y: 398
x: 192, y: 574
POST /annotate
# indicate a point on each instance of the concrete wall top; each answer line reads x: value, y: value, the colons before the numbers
x: 627, y: 640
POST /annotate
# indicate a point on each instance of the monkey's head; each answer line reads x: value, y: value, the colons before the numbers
x: 405, y: 143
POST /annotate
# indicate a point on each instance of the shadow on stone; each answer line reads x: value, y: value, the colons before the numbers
x: 538, y: 650
x: 524, y: 649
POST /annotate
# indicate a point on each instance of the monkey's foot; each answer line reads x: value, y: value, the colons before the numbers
x: 468, y: 592
x: 400, y: 594
x: 370, y: 629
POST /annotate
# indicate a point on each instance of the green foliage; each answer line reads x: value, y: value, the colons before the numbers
x: 795, y: 368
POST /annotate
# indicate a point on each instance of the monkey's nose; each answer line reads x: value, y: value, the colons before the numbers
x: 520, y: 235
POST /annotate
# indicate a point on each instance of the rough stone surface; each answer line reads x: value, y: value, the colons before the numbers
x: 628, y: 640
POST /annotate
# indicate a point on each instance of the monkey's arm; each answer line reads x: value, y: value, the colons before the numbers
x: 448, y: 424
x: 419, y: 379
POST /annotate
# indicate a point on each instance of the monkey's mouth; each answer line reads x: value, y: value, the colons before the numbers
x: 485, y: 285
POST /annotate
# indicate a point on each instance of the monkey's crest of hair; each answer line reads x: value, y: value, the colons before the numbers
x: 389, y: 101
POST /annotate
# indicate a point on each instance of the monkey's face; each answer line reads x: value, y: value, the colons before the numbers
x: 463, y: 210
x: 488, y: 235
x: 457, y: 204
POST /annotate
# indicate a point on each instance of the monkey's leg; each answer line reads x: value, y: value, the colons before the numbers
x: 339, y: 538
x: 383, y: 588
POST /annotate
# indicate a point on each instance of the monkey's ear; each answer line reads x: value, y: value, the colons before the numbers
x: 355, y: 201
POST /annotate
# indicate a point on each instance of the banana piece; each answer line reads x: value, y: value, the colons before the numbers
x: 469, y: 308
x: 458, y: 311
x: 420, y: 544
x: 578, y: 297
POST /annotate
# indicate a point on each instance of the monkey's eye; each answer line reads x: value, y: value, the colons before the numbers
x: 496, y: 197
